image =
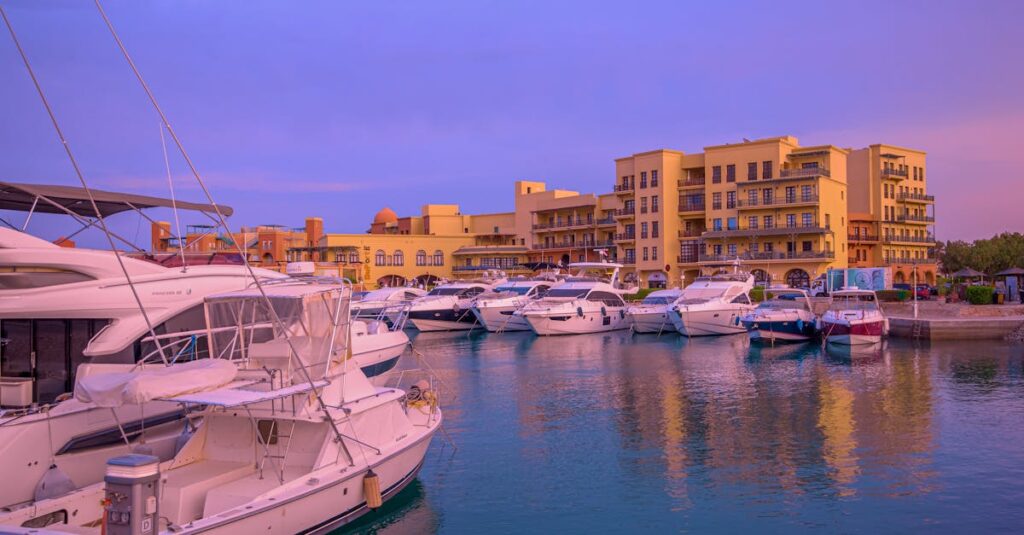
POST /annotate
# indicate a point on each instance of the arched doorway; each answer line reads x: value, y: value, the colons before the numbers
x: 929, y: 278
x: 566, y: 260
x: 657, y: 279
x: 390, y: 281
x: 760, y: 277
x: 898, y: 277
x: 268, y: 259
x: 426, y: 280
x: 798, y: 278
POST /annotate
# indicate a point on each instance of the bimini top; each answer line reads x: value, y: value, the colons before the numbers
x: 43, y: 198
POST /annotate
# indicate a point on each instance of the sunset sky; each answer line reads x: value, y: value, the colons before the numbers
x: 337, y: 109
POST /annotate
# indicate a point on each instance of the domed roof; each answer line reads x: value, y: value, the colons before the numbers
x: 385, y: 215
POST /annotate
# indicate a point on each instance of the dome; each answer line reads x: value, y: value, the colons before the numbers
x: 385, y: 215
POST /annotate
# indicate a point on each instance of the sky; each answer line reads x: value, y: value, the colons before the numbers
x: 336, y: 109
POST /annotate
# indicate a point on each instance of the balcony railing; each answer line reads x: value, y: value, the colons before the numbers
x: 622, y: 188
x: 775, y: 229
x: 625, y: 212
x: 862, y: 237
x: 909, y: 261
x: 687, y: 259
x: 803, y: 172
x: 929, y: 239
x: 905, y: 218
x: 768, y: 256
x: 692, y: 233
x: 777, y: 201
x: 691, y: 182
x: 610, y: 220
x: 915, y: 197
x: 691, y: 207
x: 625, y: 236
x: 628, y: 261
x: 894, y: 174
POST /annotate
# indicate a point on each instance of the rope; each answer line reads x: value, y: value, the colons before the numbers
x: 85, y: 186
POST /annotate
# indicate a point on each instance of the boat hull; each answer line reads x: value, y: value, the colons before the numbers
x: 554, y: 324
x: 854, y: 333
x: 500, y: 318
x: 779, y: 331
x: 716, y: 322
x: 651, y: 322
x: 447, y: 319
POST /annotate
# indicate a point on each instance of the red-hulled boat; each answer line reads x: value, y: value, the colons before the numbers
x: 854, y: 318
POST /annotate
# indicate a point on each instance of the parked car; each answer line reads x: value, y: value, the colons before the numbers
x: 923, y: 290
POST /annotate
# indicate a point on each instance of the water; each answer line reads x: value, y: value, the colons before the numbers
x: 616, y: 432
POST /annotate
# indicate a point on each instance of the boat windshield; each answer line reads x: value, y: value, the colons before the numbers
x: 702, y: 294
x: 567, y: 292
x: 853, y: 302
x: 658, y: 300
x: 784, y: 302
x: 518, y: 290
x: 446, y: 291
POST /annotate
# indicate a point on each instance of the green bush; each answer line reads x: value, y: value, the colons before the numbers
x: 757, y: 294
x: 980, y: 295
x: 893, y: 295
x: 639, y: 295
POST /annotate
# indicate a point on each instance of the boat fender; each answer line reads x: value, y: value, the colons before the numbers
x: 817, y: 324
x: 579, y: 311
x: 736, y: 320
x: 603, y: 312
x: 54, y: 483
x: 800, y: 324
x: 455, y: 308
x: 371, y: 490
x: 622, y: 314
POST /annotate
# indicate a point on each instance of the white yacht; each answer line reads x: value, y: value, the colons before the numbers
x: 589, y: 302
x: 496, y: 310
x: 294, y: 438
x: 385, y: 304
x: 652, y: 314
x: 713, y: 305
x: 854, y: 318
x: 65, y: 311
x: 449, y: 306
x: 785, y: 315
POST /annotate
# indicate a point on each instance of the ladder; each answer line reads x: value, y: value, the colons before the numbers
x: 916, y: 330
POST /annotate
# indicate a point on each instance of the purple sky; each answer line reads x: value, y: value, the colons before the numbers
x: 336, y: 109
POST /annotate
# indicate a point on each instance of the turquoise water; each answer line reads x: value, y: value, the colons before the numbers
x: 621, y: 432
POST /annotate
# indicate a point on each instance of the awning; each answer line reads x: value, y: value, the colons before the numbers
x: 968, y: 273
x: 1011, y: 272
x: 22, y: 198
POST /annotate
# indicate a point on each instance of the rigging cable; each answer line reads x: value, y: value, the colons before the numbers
x: 85, y: 186
x: 174, y: 203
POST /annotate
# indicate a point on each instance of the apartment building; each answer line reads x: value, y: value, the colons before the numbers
x: 892, y: 215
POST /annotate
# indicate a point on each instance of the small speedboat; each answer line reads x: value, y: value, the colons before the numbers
x: 854, y: 318
x: 785, y: 315
x: 652, y: 314
x: 713, y: 305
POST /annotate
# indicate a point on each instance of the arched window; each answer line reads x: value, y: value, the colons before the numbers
x: 438, y: 258
x: 798, y: 278
x: 760, y: 277
x: 399, y: 258
x: 379, y: 258
x: 421, y: 258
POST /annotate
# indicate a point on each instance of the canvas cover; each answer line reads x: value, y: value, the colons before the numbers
x: 147, y: 384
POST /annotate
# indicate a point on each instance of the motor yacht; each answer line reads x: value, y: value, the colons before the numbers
x: 589, y: 302
x: 385, y: 304
x: 449, y: 306
x: 294, y: 437
x: 785, y: 315
x: 854, y: 318
x: 652, y: 314
x: 496, y: 310
x: 713, y: 305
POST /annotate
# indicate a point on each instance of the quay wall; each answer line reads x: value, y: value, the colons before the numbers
x: 988, y: 328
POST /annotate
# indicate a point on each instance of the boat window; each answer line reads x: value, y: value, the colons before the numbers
x: 411, y: 295
x: 853, y: 302
x: 567, y: 292
x: 49, y: 519
x: 445, y: 291
x: 48, y: 350
x: 25, y: 277
x: 471, y: 292
x: 541, y: 290
x: 609, y: 299
x: 784, y: 303
x: 741, y: 298
x: 658, y: 300
x: 518, y: 290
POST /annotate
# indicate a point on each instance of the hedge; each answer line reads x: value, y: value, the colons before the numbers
x: 893, y: 295
x: 757, y: 294
x: 980, y: 295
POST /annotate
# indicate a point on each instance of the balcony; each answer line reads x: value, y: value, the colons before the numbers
x: 692, y: 182
x: 687, y: 259
x: 774, y: 256
x: 692, y: 233
x: 862, y: 238
x: 691, y: 207
x: 918, y: 198
x: 894, y: 174
x: 610, y: 220
x: 915, y: 219
x: 625, y: 236
x: 624, y: 188
x: 800, y: 174
x: 628, y: 261
x: 622, y: 213
x: 927, y: 240
x: 909, y: 261
x: 566, y: 224
x: 767, y: 231
x: 749, y: 204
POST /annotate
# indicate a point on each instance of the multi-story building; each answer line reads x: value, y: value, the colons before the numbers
x: 773, y: 205
x: 893, y: 216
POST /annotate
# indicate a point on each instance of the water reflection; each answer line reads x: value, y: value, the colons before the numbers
x: 613, y: 432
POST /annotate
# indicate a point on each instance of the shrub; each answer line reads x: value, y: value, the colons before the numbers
x: 980, y: 295
x: 893, y: 295
x: 757, y: 294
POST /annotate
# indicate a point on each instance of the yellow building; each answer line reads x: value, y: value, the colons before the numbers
x: 776, y: 206
x: 893, y: 215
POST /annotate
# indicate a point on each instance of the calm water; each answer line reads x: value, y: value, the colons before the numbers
x: 609, y: 433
